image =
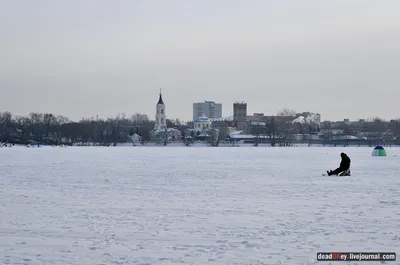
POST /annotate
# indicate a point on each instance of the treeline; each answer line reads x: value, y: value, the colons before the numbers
x: 50, y: 129
x: 284, y: 130
x: 373, y: 131
x: 372, y: 126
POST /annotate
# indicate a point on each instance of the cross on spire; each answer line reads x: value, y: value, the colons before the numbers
x: 160, y: 101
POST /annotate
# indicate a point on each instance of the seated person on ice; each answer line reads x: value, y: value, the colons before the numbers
x: 344, y: 168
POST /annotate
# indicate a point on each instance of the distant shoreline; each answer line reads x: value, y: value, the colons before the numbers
x: 195, y: 145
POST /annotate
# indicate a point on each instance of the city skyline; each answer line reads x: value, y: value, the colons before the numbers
x: 151, y: 116
x: 84, y: 58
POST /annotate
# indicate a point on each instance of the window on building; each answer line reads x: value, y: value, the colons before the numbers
x: 162, y: 120
x: 162, y: 111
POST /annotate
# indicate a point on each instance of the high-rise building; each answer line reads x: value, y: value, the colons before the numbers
x: 210, y: 109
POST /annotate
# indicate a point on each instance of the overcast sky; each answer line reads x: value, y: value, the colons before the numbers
x: 81, y: 58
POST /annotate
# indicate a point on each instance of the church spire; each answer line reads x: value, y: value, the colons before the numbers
x: 160, y: 101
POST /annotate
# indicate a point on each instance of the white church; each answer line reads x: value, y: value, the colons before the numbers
x: 161, y: 134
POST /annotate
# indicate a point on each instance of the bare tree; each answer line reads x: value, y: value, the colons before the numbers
x: 287, y: 112
x: 5, y: 119
x: 50, y: 122
x: 286, y: 127
x: 394, y: 126
x: 214, y: 139
x: 287, y: 131
x: 374, y: 130
x: 272, y: 130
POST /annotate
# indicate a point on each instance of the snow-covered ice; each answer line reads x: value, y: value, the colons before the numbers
x: 160, y: 205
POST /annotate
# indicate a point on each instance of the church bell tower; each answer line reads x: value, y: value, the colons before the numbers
x: 161, y: 120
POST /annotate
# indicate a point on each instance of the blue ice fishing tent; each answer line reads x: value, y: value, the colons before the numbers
x: 379, y: 151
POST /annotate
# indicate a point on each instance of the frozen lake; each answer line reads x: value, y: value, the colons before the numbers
x: 187, y: 205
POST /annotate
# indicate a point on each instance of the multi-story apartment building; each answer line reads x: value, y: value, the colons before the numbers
x: 210, y: 109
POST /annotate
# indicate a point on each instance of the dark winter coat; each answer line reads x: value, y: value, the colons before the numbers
x: 345, y: 163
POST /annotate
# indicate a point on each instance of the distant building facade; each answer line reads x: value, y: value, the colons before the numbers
x: 239, y: 111
x: 202, y: 123
x: 224, y: 126
x: 258, y: 122
x: 210, y: 109
x: 239, y: 115
x: 136, y: 139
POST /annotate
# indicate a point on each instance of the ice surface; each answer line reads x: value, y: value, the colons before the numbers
x: 160, y: 205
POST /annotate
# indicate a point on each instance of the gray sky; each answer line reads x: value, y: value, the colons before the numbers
x: 80, y: 58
